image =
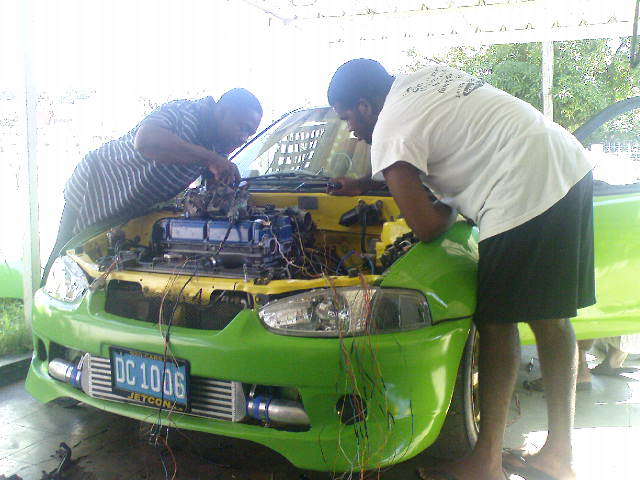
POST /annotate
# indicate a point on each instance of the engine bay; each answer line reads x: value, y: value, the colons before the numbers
x: 231, y: 233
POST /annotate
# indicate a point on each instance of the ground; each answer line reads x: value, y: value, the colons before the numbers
x: 105, y: 446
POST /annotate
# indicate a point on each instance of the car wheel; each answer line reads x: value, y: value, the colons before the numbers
x: 460, y: 430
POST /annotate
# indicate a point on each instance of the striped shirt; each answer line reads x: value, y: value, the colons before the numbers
x: 116, y: 179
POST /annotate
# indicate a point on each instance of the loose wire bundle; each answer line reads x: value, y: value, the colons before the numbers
x: 366, y: 391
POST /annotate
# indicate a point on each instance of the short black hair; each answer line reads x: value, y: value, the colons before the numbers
x: 356, y: 79
x: 240, y: 97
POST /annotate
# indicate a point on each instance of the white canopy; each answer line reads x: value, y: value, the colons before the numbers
x: 460, y: 22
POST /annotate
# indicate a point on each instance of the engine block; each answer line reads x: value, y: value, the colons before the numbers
x: 251, y: 242
x: 219, y: 234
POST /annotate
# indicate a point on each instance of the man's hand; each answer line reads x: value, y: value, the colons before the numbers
x: 345, y: 186
x: 223, y: 170
x: 157, y: 143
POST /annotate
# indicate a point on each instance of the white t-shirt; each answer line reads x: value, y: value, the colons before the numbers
x: 497, y: 159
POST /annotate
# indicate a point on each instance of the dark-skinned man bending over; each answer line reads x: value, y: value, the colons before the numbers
x: 156, y: 160
x: 527, y: 184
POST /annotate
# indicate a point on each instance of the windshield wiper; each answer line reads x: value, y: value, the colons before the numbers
x: 291, y: 175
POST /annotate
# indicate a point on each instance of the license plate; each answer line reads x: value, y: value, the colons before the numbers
x: 150, y: 379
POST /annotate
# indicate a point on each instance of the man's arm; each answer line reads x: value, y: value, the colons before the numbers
x: 160, y: 144
x: 427, y: 219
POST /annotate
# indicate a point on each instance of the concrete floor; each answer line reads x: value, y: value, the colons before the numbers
x: 105, y: 446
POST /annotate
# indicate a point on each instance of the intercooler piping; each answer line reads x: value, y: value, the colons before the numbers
x: 275, y: 410
x: 66, y: 371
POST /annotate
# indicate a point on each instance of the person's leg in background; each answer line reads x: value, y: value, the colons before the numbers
x: 584, y: 375
x: 611, y: 365
x: 615, y: 357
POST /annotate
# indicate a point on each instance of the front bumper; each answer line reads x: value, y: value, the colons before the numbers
x: 405, y: 378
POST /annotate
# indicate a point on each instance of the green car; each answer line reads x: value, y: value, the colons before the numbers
x: 313, y: 324
x: 10, y: 279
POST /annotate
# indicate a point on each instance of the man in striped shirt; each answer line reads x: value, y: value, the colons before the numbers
x: 156, y: 160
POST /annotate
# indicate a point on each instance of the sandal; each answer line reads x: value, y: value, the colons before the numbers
x: 517, y: 464
x: 536, y: 385
x: 604, y: 369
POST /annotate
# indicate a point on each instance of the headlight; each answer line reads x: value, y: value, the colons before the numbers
x: 346, y: 311
x: 66, y: 280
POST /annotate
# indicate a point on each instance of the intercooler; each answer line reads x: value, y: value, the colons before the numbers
x: 210, y: 398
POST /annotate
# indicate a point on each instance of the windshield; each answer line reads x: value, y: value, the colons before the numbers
x: 314, y: 142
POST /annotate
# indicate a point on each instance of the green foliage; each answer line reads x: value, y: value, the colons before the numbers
x: 588, y: 76
x: 15, y: 336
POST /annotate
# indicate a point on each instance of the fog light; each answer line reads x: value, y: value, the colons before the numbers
x: 351, y: 409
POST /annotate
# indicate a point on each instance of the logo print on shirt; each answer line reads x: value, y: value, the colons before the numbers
x: 441, y: 80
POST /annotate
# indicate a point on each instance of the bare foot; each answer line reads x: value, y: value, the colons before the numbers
x: 584, y: 374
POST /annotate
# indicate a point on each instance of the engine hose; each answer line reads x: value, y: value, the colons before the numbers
x: 372, y: 267
x: 363, y: 235
x: 343, y: 259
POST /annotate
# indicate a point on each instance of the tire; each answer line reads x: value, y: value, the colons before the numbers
x: 460, y: 429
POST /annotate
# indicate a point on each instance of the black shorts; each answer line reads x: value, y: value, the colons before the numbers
x: 542, y: 269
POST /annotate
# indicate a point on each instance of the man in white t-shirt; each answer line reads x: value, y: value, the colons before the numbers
x: 527, y: 185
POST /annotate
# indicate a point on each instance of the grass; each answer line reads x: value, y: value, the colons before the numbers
x: 15, y: 336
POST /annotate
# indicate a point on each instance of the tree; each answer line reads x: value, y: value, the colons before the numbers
x: 588, y: 76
